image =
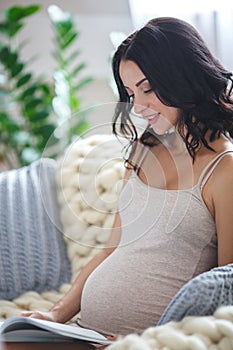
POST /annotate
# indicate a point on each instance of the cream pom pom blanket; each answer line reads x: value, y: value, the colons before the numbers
x: 192, y: 333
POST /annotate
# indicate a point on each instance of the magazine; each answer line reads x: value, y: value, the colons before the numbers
x: 26, y: 329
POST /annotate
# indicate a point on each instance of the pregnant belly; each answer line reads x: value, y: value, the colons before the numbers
x: 123, y: 296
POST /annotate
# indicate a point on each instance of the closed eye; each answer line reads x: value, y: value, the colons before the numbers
x: 147, y: 91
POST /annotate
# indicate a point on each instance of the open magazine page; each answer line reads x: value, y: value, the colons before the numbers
x: 24, y: 329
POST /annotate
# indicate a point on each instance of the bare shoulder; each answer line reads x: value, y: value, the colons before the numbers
x: 223, y: 174
x: 222, y: 191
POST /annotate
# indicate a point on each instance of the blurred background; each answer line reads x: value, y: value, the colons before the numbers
x: 101, y: 25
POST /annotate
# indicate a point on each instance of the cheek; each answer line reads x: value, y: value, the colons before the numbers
x: 175, y: 115
x: 156, y: 105
x: 155, y: 100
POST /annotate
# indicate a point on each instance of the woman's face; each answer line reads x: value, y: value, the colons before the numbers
x: 146, y: 103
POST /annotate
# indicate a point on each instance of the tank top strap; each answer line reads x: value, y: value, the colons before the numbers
x: 209, y: 168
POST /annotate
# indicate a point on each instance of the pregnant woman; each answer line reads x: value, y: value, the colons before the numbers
x: 174, y: 218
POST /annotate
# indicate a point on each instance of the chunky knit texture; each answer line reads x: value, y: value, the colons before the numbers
x: 88, y: 182
x: 192, y: 333
x: 202, y: 295
x: 33, y: 254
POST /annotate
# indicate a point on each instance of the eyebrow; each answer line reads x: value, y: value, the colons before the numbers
x: 140, y: 82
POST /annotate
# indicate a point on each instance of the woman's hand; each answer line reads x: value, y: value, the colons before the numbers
x: 48, y: 316
x: 113, y: 337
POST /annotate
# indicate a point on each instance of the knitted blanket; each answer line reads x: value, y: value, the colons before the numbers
x: 202, y: 295
x: 192, y: 333
x: 33, y: 254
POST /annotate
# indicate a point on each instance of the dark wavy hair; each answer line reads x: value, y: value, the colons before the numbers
x: 183, y: 74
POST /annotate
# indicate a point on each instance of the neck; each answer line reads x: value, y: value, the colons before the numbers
x: 173, y: 142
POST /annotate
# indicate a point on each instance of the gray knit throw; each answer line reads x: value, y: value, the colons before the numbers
x: 33, y: 253
x: 202, y: 295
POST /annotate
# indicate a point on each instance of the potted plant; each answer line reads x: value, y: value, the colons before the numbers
x: 29, y: 112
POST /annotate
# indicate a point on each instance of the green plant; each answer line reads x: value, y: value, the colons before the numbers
x: 27, y: 103
x: 67, y: 78
x: 25, y: 123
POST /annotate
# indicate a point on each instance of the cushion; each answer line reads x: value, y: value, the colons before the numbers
x: 202, y: 295
x: 33, y: 252
x: 86, y: 215
x: 89, y: 179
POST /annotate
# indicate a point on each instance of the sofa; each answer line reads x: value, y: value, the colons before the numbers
x: 54, y: 217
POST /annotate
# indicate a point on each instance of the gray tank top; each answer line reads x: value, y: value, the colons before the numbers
x: 168, y: 237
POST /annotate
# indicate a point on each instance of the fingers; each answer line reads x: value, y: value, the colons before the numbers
x: 39, y: 315
x: 26, y: 313
x: 112, y: 337
x: 32, y: 314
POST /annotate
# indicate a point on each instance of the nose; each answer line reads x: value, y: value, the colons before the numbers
x: 138, y: 108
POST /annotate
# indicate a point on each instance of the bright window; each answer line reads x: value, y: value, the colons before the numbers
x: 143, y: 10
x: 213, y: 19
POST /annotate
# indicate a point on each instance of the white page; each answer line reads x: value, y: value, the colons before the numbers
x: 74, y: 331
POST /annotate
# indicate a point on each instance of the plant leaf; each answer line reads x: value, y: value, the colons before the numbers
x: 83, y: 83
x: 16, y: 69
x: 12, y: 59
x: 58, y: 56
x: 45, y: 131
x: 4, y: 54
x: 16, y: 13
x: 33, y: 103
x: 74, y: 103
x: 27, y: 93
x: 23, y: 80
x: 38, y: 116
x: 78, y: 69
x: 74, y: 55
x: 63, y: 27
x: 7, y: 124
x: 9, y: 59
x: 68, y: 40
x: 4, y: 27
x: 10, y: 28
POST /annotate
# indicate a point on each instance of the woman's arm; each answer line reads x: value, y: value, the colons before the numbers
x: 222, y: 189
x: 69, y: 305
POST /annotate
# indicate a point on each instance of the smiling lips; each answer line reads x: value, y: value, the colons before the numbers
x: 152, y: 118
